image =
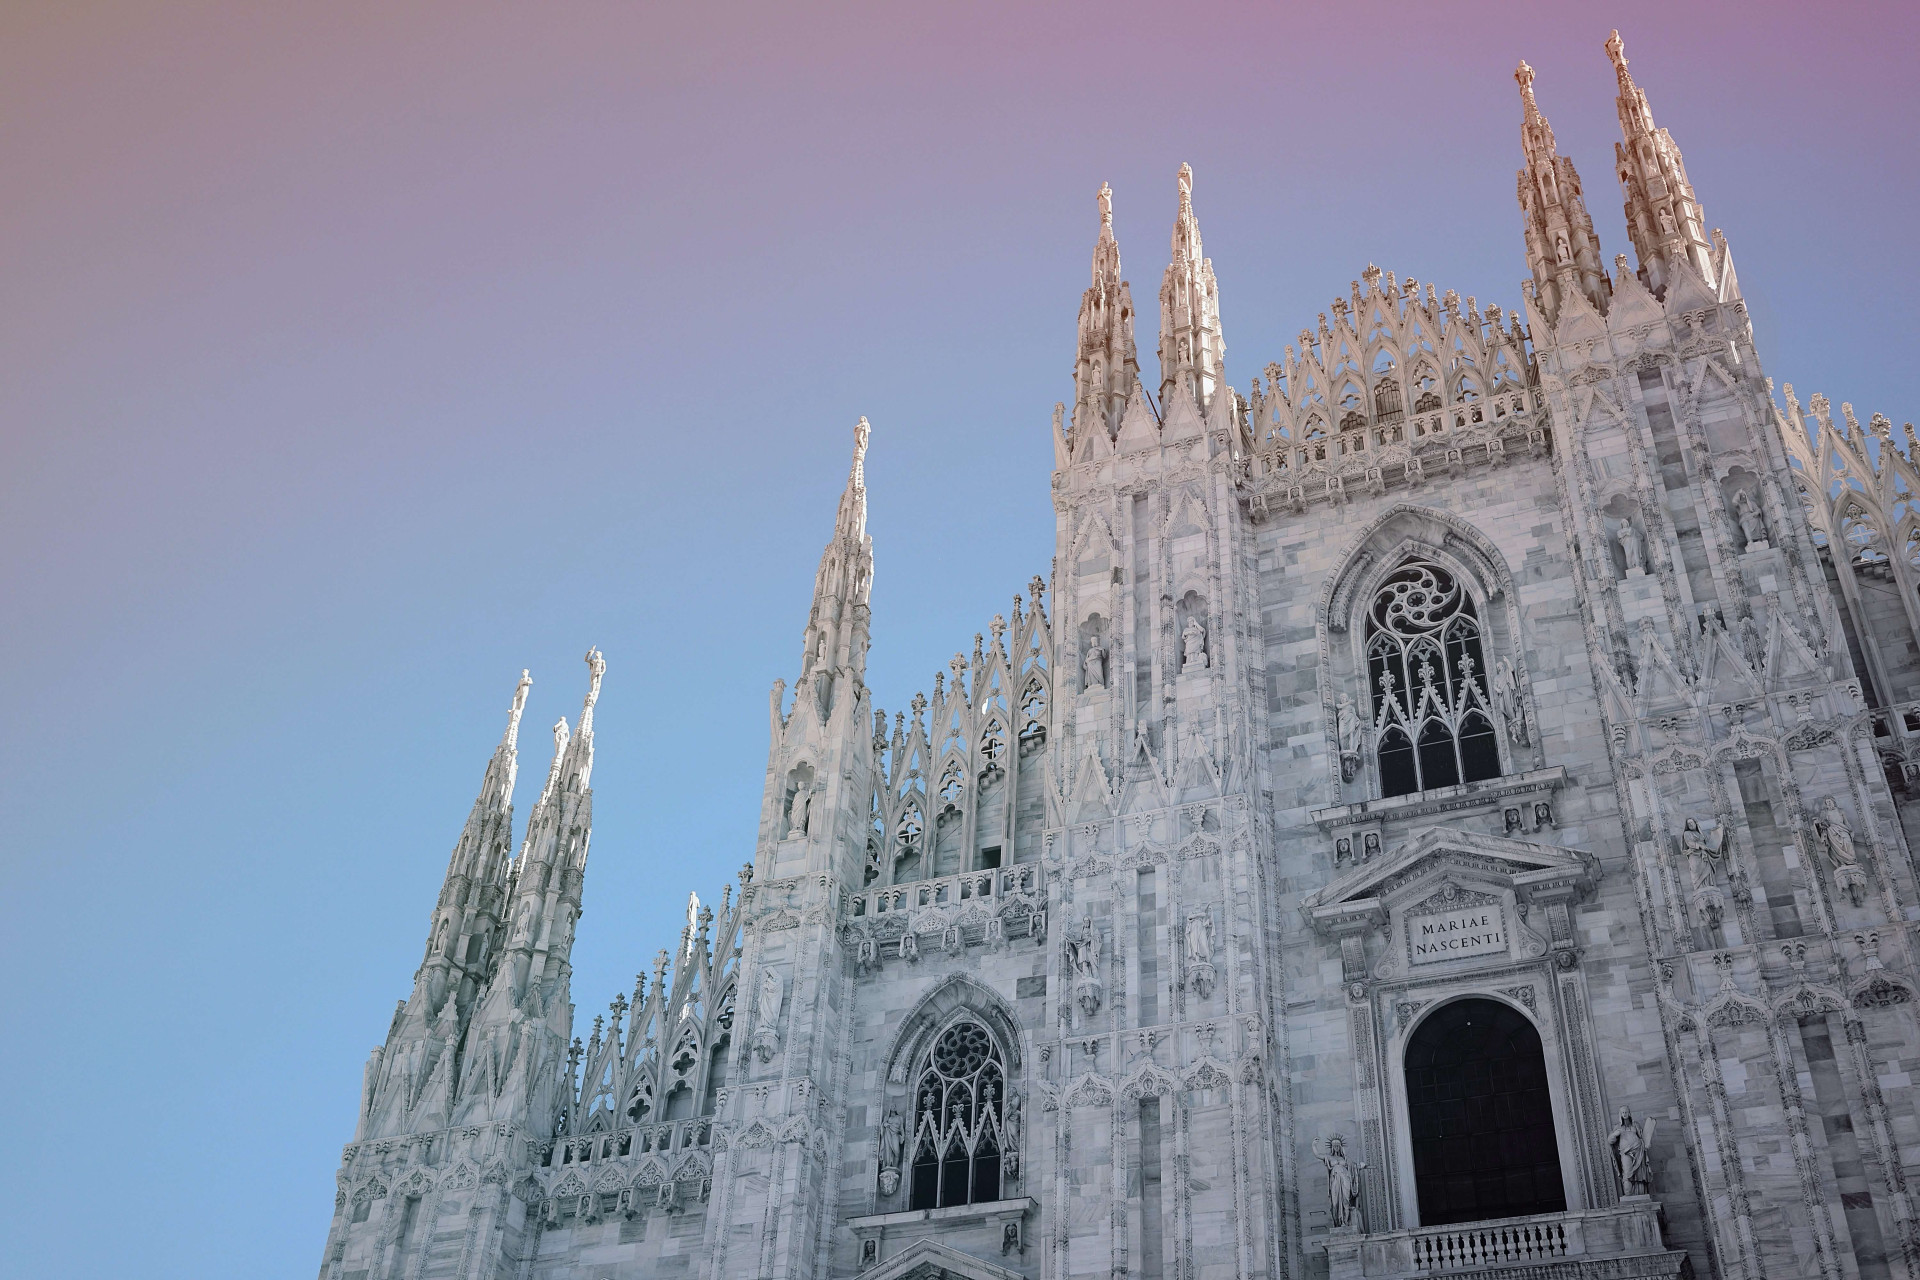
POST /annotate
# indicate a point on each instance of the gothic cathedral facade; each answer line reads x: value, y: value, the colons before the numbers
x: 1450, y: 811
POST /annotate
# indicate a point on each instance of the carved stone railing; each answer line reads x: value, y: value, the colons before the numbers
x: 1022, y: 879
x: 1628, y: 1231
x: 629, y: 1140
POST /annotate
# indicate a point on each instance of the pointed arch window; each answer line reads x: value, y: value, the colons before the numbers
x: 959, y: 1095
x: 1427, y: 674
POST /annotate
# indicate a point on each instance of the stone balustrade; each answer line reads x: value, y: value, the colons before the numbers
x: 985, y: 886
x: 1627, y: 1235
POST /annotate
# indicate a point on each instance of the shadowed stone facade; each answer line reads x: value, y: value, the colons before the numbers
x: 1446, y: 813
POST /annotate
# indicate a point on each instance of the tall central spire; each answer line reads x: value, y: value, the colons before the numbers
x: 1562, y: 249
x: 1664, y: 220
x: 1106, y: 367
x: 1192, y: 350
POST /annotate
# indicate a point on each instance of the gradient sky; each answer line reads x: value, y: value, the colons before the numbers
x: 354, y: 356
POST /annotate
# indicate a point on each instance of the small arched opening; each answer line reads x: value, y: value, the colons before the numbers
x: 1480, y: 1116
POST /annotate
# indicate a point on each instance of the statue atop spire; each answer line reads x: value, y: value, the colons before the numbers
x: 497, y: 789
x: 1192, y: 350
x: 1105, y: 197
x: 1664, y: 220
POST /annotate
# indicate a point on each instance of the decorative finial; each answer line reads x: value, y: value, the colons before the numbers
x: 861, y: 432
x: 596, y: 668
x: 1524, y: 75
x: 1105, y: 197
x: 1186, y: 188
x: 1617, y: 50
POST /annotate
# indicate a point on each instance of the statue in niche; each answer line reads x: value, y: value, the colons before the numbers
x: 766, y: 1008
x: 1343, y: 1182
x: 1752, y: 524
x: 1561, y: 251
x: 1836, y: 835
x: 1193, y: 644
x: 1083, y: 950
x: 1506, y: 699
x: 800, y: 812
x: 1632, y: 548
x: 1346, y: 732
x: 893, y: 1149
x: 1010, y: 1127
x: 1703, y: 854
x: 1666, y: 220
x: 1200, y: 953
x: 1096, y: 664
x: 1629, y: 1143
x: 1083, y: 953
x: 1199, y: 939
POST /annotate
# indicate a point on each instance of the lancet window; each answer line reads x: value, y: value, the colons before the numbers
x: 1428, y: 677
x: 959, y: 1099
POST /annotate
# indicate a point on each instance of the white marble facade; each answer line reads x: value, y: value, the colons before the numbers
x: 1532, y: 675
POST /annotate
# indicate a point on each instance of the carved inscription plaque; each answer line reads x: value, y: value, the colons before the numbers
x: 1452, y: 935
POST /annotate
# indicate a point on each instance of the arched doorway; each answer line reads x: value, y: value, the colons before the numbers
x: 1480, y: 1116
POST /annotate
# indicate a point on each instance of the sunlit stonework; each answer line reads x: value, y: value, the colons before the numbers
x: 1445, y: 813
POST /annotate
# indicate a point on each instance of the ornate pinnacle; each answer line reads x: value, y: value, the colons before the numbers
x: 1616, y: 50
x: 1105, y: 197
x: 1185, y: 180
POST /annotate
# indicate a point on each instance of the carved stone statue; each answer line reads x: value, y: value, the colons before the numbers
x: 1083, y: 950
x: 893, y: 1149
x: 1506, y: 699
x: 1096, y: 664
x: 1011, y: 1126
x: 1631, y: 547
x: 772, y: 992
x: 1561, y: 251
x: 800, y: 812
x: 766, y: 1015
x: 1836, y: 834
x: 1666, y: 220
x: 1752, y: 524
x: 1702, y: 853
x: 1343, y: 1182
x: 1629, y: 1143
x: 1199, y: 966
x: 1193, y: 645
x: 1199, y: 939
x: 1347, y: 732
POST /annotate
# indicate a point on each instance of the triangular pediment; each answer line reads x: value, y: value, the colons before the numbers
x: 1439, y: 853
x: 1632, y: 305
x: 931, y: 1260
x: 1138, y: 428
x: 1687, y: 289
